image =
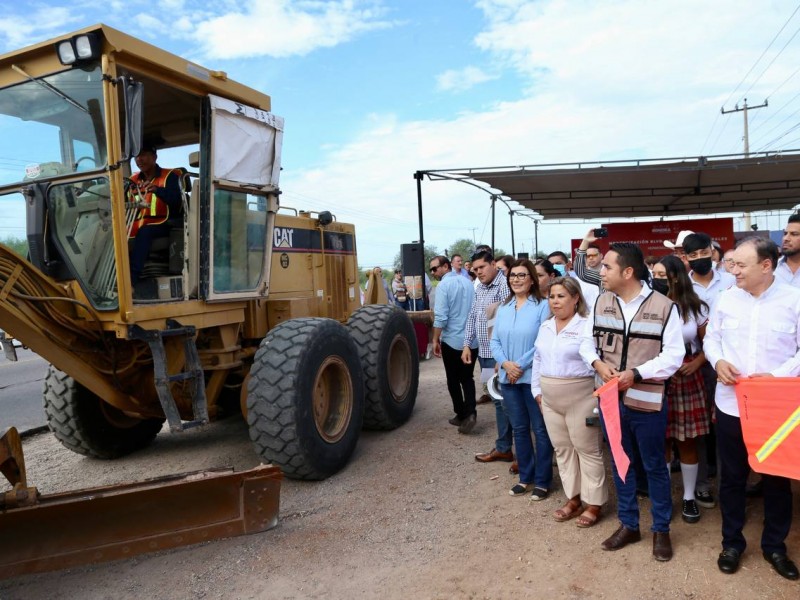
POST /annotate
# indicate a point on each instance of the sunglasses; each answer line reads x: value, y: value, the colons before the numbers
x: 434, y: 268
x: 518, y: 275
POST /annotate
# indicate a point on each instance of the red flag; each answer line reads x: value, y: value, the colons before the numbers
x: 609, y: 404
x: 769, y: 409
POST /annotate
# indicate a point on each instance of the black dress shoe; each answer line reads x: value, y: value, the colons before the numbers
x: 455, y: 421
x: 782, y: 564
x: 728, y: 561
x: 621, y: 538
x: 467, y: 425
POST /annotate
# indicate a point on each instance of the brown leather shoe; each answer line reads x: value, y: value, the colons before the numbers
x: 662, y: 547
x: 514, y: 468
x: 621, y: 538
x: 485, y: 399
x: 494, y: 455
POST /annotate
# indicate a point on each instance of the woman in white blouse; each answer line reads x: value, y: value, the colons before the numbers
x: 563, y: 384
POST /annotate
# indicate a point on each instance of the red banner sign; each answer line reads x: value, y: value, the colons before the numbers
x: 650, y: 235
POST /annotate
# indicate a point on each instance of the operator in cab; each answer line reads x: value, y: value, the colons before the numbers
x: 155, y: 196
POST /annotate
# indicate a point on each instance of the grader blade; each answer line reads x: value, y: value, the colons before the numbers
x: 118, y: 521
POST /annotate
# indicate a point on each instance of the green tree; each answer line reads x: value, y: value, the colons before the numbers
x: 18, y: 245
x: 464, y: 246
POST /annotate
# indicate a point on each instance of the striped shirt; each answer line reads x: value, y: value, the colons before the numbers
x: 496, y: 291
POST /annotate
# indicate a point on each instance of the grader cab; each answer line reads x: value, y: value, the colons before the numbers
x: 244, y: 298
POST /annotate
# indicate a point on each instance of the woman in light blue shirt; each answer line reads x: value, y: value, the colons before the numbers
x: 515, y: 329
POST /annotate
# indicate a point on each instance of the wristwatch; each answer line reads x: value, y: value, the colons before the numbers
x: 637, y: 378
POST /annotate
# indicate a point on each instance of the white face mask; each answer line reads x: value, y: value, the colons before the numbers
x: 714, y: 265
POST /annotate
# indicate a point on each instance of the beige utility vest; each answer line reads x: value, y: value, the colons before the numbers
x: 628, y: 347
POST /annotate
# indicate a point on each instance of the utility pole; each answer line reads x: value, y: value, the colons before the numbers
x: 744, y: 110
x: 473, y: 229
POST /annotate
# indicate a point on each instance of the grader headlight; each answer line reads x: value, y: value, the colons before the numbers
x: 78, y: 49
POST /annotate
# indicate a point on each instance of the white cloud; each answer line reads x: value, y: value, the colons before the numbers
x: 281, y: 28
x: 17, y: 31
x: 460, y: 80
x: 602, y: 81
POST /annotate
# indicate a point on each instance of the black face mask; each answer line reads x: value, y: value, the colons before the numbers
x: 701, y: 266
x: 661, y: 286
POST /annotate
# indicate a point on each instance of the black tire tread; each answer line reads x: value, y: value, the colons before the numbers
x: 271, y: 397
x: 366, y: 327
x: 63, y: 398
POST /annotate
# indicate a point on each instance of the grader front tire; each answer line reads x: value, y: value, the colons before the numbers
x: 305, y: 398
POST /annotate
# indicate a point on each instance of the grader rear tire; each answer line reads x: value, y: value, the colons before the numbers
x: 305, y: 398
x: 387, y: 346
x: 85, y: 424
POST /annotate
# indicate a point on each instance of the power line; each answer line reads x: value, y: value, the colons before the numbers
x: 777, y: 55
x: 762, y: 55
x: 750, y: 70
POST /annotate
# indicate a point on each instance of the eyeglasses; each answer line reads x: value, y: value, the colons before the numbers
x: 433, y: 268
x: 517, y: 275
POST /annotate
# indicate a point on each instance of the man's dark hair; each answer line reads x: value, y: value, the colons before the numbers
x: 630, y: 255
x: 443, y: 260
x: 696, y: 241
x: 594, y: 247
x: 454, y: 256
x: 482, y: 248
x: 765, y: 248
x: 559, y: 253
x: 483, y: 255
x: 507, y: 259
x: 793, y: 218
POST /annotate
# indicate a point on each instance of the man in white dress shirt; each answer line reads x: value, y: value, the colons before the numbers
x: 754, y: 331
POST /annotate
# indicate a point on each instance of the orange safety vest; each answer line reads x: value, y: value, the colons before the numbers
x: 156, y: 211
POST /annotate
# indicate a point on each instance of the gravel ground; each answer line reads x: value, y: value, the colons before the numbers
x: 412, y: 516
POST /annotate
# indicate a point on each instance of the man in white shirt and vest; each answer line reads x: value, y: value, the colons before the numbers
x: 754, y: 331
x: 635, y: 334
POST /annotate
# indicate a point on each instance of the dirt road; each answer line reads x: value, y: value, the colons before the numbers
x: 413, y: 516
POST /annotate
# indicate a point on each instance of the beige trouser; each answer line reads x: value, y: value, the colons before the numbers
x: 566, y: 403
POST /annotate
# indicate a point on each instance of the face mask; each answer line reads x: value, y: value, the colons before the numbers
x: 661, y: 286
x: 562, y: 270
x: 701, y: 266
x: 714, y: 264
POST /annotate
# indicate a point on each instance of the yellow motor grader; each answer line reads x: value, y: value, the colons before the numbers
x: 244, y: 298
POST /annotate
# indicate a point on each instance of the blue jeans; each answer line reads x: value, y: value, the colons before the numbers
x: 647, y: 431
x: 504, y: 435
x: 525, y: 415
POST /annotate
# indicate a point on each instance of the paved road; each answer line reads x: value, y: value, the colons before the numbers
x: 21, y: 391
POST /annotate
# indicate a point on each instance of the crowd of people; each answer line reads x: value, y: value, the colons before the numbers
x: 676, y: 332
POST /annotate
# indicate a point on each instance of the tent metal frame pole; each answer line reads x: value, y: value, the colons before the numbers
x: 494, y: 202
x: 513, y: 249
x: 418, y: 176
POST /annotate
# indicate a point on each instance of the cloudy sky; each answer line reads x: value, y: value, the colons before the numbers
x: 374, y: 90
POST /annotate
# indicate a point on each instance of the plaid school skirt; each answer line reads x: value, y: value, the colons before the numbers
x: 687, y: 411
